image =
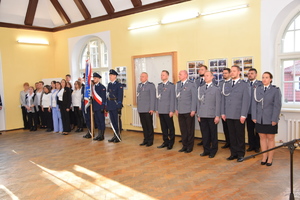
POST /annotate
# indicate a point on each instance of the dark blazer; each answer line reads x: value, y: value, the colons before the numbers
x: 66, y: 99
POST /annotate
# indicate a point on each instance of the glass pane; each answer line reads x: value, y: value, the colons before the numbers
x: 288, y: 69
x: 288, y: 42
x: 297, y: 40
x: 297, y: 22
x: 288, y: 92
x: 292, y: 26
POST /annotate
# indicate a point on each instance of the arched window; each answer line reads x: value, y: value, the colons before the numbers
x: 95, y: 50
x: 290, y: 62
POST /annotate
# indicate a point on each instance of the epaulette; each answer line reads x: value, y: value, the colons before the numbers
x: 160, y: 83
x: 171, y: 83
x: 275, y: 86
x: 243, y: 80
x: 190, y: 81
x: 151, y: 83
x: 178, y: 81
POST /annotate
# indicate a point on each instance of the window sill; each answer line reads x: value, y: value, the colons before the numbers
x: 292, y: 110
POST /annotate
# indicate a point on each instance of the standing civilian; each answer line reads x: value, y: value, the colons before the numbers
x: 23, y: 104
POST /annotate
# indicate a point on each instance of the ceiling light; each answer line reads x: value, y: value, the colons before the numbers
x: 143, y: 25
x: 33, y: 41
x: 179, y: 18
x: 225, y: 10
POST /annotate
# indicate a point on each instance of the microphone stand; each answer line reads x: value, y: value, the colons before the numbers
x: 291, y: 145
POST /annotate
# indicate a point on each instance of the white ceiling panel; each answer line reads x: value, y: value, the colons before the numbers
x: 145, y: 2
x: 120, y: 5
x: 13, y: 11
x: 72, y: 10
x: 95, y: 8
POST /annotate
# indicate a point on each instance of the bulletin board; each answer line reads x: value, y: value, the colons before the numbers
x: 153, y: 64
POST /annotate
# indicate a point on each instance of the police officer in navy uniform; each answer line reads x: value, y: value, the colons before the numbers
x: 114, y: 104
x: 253, y: 136
x: 165, y: 107
x: 99, y: 102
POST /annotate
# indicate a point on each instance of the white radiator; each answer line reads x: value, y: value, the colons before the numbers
x: 293, y: 129
x: 136, y: 118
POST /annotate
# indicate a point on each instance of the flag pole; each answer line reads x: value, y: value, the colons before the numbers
x: 92, y: 120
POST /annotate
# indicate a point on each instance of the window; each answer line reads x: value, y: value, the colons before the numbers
x: 290, y: 62
x: 95, y: 50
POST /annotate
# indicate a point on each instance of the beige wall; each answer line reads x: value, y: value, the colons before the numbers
x: 224, y: 35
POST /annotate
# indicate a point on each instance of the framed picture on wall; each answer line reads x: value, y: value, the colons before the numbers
x: 193, y: 67
x: 245, y: 64
x: 216, y: 66
x: 122, y: 77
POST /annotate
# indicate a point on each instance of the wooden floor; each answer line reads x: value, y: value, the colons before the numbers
x: 40, y: 165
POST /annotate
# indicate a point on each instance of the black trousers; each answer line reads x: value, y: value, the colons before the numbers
x: 78, y: 116
x: 32, y: 120
x: 24, y: 116
x: 237, y: 137
x: 147, y: 125
x: 65, y: 118
x: 253, y: 136
x: 48, y: 118
x: 209, y: 135
x: 226, y: 132
x: 187, y: 129
x: 41, y: 117
x: 168, y: 129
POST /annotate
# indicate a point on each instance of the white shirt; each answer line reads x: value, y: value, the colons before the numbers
x: 76, y: 98
x: 53, y: 98
x: 29, y: 97
x: 46, y: 100
x: 60, y: 94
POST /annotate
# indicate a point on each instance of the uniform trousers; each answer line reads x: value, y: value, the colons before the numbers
x: 99, y: 119
x: 115, y: 120
x: 87, y: 116
x: 32, y: 120
x: 65, y: 116
x: 57, y: 121
x: 147, y: 125
x: 187, y: 129
x: 78, y: 116
x: 237, y: 137
x: 168, y: 129
x: 48, y: 118
x: 253, y: 136
x: 209, y: 132
x: 24, y: 116
x: 226, y: 132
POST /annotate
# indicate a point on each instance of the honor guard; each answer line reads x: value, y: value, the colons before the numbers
x: 114, y: 105
x: 99, y: 101
x: 165, y: 106
x: 234, y: 109
x: 146, y: 105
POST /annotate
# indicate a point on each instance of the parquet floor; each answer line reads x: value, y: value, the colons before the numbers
x: 40, y: 165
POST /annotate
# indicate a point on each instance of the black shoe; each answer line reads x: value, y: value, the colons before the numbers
x: 188, y: 151
x: 149, y: 144
x: 264, y: 163
x: 31, y: 129
x: 200, y: 143
x: 211, y: 156
x: 257, y: 150
x: 170, y: 147
x: 96, y: 138
x: 182, y: 150
x: 112, y: 139
x: 232, y: 157
x: 180, y: 141
x: 240, y: 159
x: 117, y: 141
x: 269, y: 164
x: 49, y: 130
x: 77, y: 130
x: 225, y: 146
x: 250, y: 149
x: 143, y: 143
x: 88, y: 135
x: 162, y: 146
x: 204, y: 154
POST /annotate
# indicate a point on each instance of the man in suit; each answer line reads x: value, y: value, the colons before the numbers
x: 99, y: 102
x: 253, y: 136
x: 226, y: 78
x: 166, y: 108
x: 185, y: 108
x: 114, y: 104
x: 146, y: 93
x: 234, y: 109
x: 208, y: 112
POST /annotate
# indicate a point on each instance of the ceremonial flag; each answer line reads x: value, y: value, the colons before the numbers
x: 87, y: 81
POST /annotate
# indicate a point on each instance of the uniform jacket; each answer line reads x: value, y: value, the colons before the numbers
x: 101, y: 91
x: 186, y: 97
x: 200, y: 83
x: 221, y: 83
x: 254, y: 85
x: 235, y: 100
x: 114, y: 96
x: 165, y: 101
x: 267, y: 105
x: 209, y: 101
x: 146, y: 97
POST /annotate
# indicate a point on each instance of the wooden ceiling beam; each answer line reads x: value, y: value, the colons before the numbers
x: 136, y: 3
x: 61, y: 11
x: 26, y: 27
x: 31, y: 8
x: 108, y: 6
x: 82, y: 8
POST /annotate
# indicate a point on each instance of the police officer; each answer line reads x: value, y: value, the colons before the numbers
x: 185, y: 108
x: 253, y: 137
x: 99, y: 102
x: 234, y: 109
x: 166, y: 108
x: 146, y: 105
x: 114, y: 104
x: 209, y: 111
x: 226, y: 78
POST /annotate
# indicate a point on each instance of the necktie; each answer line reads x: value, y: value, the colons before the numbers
x: 251, y: 83
x: 265, y: 89
x: 201, y: 81
x: 206, y: 86
x: 233, y: 83
x: 181, y: 84
x: 163, y: 85
x: 142, y: 85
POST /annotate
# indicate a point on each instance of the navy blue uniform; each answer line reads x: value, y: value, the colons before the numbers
x: 98, y: 107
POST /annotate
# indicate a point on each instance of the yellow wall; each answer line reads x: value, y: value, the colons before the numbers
x: 224, y: 35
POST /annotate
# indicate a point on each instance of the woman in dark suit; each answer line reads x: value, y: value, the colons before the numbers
x: 64, y: 102
x: 266, y: 106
